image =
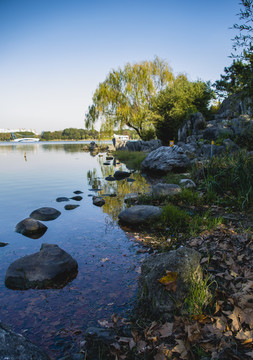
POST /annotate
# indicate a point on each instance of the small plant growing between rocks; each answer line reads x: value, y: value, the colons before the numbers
x: 199, y: 295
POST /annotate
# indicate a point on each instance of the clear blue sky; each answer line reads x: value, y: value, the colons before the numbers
x: 54, y: 53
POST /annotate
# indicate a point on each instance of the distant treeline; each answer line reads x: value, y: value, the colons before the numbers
x: 70, y: 134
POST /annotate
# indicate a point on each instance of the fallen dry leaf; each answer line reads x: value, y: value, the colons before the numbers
x: 166, y: 330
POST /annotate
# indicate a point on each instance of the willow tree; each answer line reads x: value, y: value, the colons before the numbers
x: 124, y: 98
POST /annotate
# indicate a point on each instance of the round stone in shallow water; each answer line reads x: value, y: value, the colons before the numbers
x: 51, y: 267
x: 62, y: 198
x: 45, y: 214
x: 78, y: 192
x: 77, y: 198
x: 31, y: 228
x: 70, y: 207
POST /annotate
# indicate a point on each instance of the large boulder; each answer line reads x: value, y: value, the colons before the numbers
x: 51, y: 267
x: 139, y: 214
x: 31, y: 228
x: 45, y: 214
x: 166, y: 159
x: 184, y: 263
x: 165, y: 189
x: 14, y: 346
x: 139, y: 145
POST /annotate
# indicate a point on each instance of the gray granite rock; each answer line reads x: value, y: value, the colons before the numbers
x: 51, y: 267
x: 31, y: 228
x: 165, y: 190
x: 45, y: 214
x: 185, y: 262
x: 139, y: 214
x: 166, y: 159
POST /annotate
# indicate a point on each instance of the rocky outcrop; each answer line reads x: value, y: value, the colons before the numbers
x: 14, y: 346
x: 139, y: 214
x: 51, y: 267
x: 165, y: 189
x: 166, y: 159
x: 182, y: 264
x: 192, y: 127
x: 234, y: 106
x: 45, y: 214
x: 31, y: 228
x: 139, y: 145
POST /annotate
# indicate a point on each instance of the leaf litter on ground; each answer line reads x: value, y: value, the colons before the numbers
x: 225, y: 330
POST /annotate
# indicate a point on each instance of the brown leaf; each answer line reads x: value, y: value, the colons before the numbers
x: 235, y: 319
x: 245, y: 335
x: 166, y: 330
x: 193, y: 332
x: 181, y: 349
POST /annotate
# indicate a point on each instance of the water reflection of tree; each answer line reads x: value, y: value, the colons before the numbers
x: 113, y: 205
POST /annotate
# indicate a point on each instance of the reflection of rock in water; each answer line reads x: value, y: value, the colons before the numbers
x: 51, y: 267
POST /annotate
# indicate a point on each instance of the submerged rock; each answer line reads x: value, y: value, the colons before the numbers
x: 139, y: 214
x: 98, y: 201
x: 77, y: 198
x: 51, y: 267
x: 62, y: 198
x: 78, y: 192
x: 14, y: 346
x: 31, y: 228
x: 184, y: 263
x: 45, y: 214
x: 2, y: 244
x: 70, y: 207
x: 165, y: 189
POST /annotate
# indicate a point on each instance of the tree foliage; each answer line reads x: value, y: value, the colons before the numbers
x: 175, y: 103
x: 238, y: 77
x: 124, y: 98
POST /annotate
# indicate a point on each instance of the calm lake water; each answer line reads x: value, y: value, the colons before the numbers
x: 33, y: 176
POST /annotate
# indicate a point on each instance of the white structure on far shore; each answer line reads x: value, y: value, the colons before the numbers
x: 18, y: 130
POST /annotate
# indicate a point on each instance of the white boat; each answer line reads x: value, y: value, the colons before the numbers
x: 121, y: 137
x: 26, y: 140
